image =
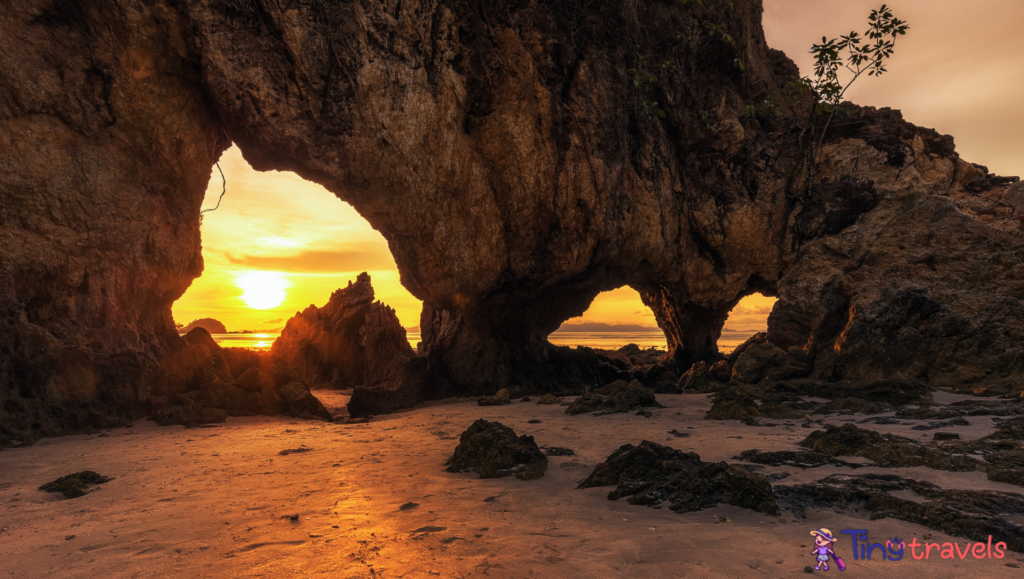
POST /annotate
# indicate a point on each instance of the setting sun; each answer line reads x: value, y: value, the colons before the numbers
x: 263, y: 289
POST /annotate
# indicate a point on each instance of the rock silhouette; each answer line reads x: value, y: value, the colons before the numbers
x: 515, y: 174
x: 493, y: 450
x: 353, y: 342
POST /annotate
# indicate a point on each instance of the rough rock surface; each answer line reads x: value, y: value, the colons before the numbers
x: 784, y: 399
x: 797, y: 458
x: 217, y: 391
x: 650, y: 474
x: 884, y: 449
x: 110, y: 145
x: 354, y: 342
x: 960, y: 513
x: 1002, y: 451
x: 493, y: 450
x: 621, y: 397
x: 74, y: 485
x: 515, y: 170
x: 350, y: 341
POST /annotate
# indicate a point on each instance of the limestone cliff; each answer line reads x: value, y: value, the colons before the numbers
x: 519, y: 157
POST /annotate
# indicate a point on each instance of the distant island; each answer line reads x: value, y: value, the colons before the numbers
x: 601, y: 327
x: 216, y: 327
x: 209, y: 324
x: 270, y: 331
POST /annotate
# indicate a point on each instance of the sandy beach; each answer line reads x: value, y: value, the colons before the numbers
x: 373, y: 501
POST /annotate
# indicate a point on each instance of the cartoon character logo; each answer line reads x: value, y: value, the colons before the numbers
x: 823, y: 541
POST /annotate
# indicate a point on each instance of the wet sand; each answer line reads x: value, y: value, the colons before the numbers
x: 216, y: 502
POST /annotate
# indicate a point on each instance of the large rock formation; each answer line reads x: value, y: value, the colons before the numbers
x: 108, y: 142
x: 354, y: 342
x: 518, y: 160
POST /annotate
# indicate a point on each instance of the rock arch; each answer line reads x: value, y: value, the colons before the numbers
x: 514, y: 170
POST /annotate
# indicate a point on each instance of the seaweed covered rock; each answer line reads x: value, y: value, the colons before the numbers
x: 622, y: 398
x: 493, y: 450
x: 975, y: 515
x: 650, y: 474
x: 74, y: 485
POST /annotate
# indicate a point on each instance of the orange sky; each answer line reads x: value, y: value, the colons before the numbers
x: 960, y: 70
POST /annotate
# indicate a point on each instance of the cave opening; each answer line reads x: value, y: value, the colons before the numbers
x: 748, y: 317
x: 277, y: 244
x: 614, y: 319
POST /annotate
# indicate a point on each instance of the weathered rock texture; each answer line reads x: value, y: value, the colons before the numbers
x: 74, y: 485
x: 505, y: 152
x: 350, y: 341
x: 354, y: 342
x: 493, y: 450
x: 108, y: 143
x: 976, y: 515
x: 651, y: 474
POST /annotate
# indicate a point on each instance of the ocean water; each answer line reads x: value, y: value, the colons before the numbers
x: 603, y: 340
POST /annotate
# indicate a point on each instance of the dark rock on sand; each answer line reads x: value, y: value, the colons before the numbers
x: 929, y: 412
x: 493, y: 450
x: 500, y: 399
x: 941, y: 424
x: 557, y: 451
x: 650, y: 474
x: 182, y: 409
x: 74, y: 485
x: 798, y: 458
x: 886, y: 450
x: 946, y: 436
x: 960, y: 513
x: 1013, y: 476
x: 549, y: 399
x: 618, y: 397
x: 886, y: 391
x: 733, y: 403
x: 851, y: 405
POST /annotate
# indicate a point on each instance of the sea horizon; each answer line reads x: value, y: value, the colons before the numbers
x: 600, y: 340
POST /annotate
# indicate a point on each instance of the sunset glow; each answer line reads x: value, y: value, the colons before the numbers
x: 263, y: 289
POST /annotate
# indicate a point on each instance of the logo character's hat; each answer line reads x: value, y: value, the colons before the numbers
x: 825, y: 534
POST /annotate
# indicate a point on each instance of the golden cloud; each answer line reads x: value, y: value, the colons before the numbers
x: 319, y: 261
